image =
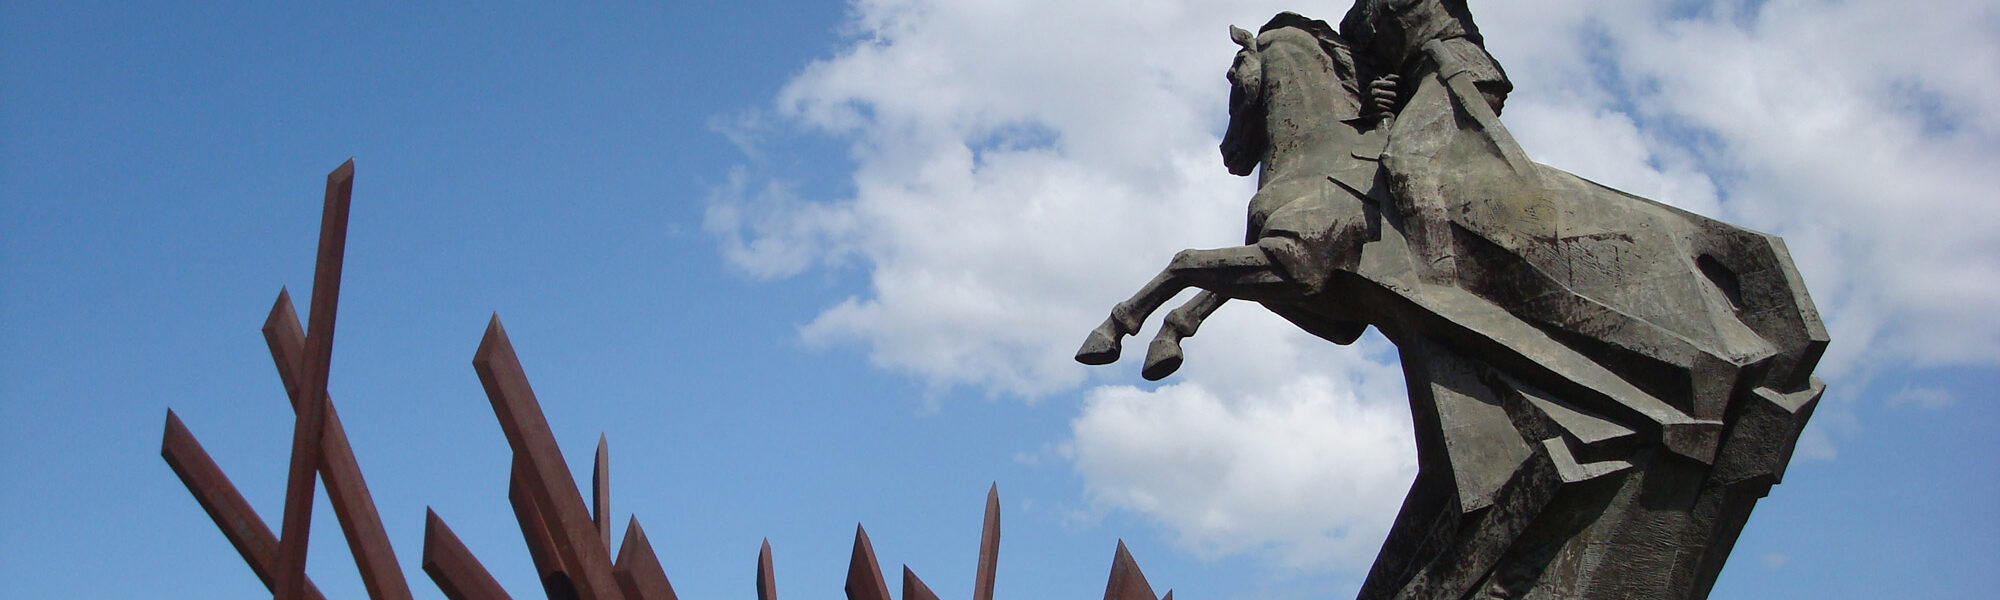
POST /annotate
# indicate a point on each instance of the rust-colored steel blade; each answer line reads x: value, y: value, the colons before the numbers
x: 1169, y: 596
x: 548, y: 478
x: 767, y: 582
x: 864, y: 575
x: 989, y: 547
x: 600, y: 491
x: 914, y: 588
x: 638, y: 569
x: 535, y: 533
x: 232, y: 514
x: 453, y: 567
x: 345, y: 487
x: 1126, y: 582
x: 310, y: 423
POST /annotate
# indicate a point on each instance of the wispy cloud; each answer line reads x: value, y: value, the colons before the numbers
x: 1923, y: 397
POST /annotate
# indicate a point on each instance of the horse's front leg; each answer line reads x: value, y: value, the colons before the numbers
x: 1106, y: 341
x: 1163, y: 356
x: 1234, y: 272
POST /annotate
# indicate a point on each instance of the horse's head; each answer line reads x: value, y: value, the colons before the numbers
x: 1243, y: 144
x: 1294, y: 67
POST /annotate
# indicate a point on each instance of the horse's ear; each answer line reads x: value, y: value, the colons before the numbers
x: 1242, y: 37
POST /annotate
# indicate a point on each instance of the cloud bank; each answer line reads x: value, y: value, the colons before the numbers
x: 1020, y: 166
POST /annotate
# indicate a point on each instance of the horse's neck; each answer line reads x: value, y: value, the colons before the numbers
x: 1303, y: 117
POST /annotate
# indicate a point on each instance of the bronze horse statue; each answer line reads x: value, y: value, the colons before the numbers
x: 1602, y: 386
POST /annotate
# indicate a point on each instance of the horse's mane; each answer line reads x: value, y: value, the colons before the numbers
x: 1330, y: 41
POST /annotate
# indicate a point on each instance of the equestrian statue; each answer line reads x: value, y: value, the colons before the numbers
x: 1602, y: 386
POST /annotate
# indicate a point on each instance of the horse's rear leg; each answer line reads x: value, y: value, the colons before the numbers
x: 1233, y: 272
x: 1163, y: 356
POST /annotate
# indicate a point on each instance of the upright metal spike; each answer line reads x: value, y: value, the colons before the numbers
x: 638, y: 569
x: 346, y: 490
x: 989, y: 546
x: 600, y: 491
x: 1126, y: 582
x: 864, y: 575
x: 767, y: 583
x: 311, y: 422
x: 914, y: 588
x: 548, y: 478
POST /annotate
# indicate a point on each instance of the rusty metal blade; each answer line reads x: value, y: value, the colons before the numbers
x: 914, y: 588
x: 453, y: 567
x: 310, y: 423
x: 864, y: 575
x: 989, y: 547
x: 767, y: 582
x: 232, y: 514
x: 549, y: 569
x: 535, y: 533
x: 1126, y: 582
x: 345, y: 487
x: 638, y: 569
x: 600, y: 491
x: 548, y: 478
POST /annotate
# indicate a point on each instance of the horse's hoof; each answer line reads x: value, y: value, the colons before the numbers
x: 1098, y: 349
x: 1163, y: 357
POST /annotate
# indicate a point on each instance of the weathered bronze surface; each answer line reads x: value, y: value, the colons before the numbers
x: 1602, y: 386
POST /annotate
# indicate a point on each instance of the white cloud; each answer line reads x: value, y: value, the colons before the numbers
x: 1022, y: 165
x: 1231, y: 475
x: 1616, y: 152
x: 1272, y: 443
x: 769, y: 232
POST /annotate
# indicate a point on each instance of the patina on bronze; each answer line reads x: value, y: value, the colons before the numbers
x: 1602, y: 386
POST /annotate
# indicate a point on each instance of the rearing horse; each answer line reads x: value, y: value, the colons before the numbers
x: 1293, y: 109
x: 1602, y: 386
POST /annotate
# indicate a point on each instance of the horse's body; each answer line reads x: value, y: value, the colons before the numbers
x: 1591, y: 373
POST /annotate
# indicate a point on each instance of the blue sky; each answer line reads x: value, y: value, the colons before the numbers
x: 813, y: 265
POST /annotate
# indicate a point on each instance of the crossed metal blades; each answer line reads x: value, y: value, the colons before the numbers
x: 569, y: 542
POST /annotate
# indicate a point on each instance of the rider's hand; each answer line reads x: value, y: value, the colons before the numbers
x: 1382, y: 95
